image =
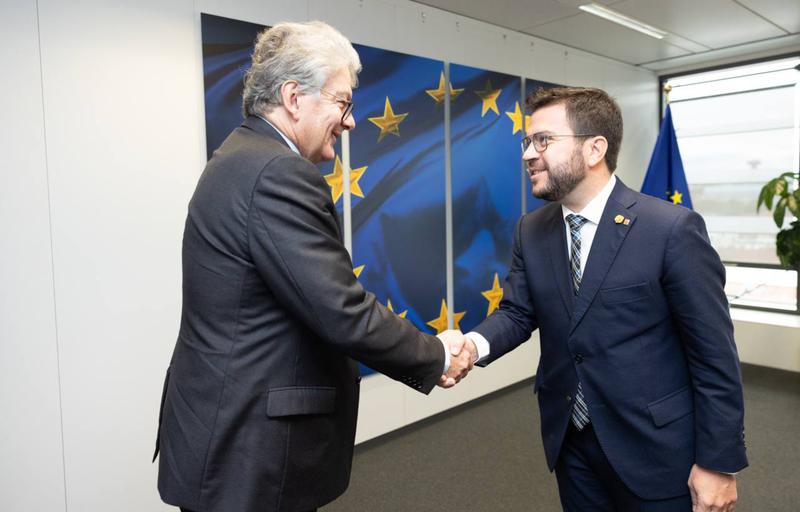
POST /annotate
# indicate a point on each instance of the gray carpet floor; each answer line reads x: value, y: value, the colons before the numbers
x: 487, y: 455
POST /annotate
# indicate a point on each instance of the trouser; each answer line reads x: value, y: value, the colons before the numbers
x: 586, y: 480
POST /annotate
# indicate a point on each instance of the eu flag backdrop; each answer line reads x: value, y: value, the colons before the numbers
x: 399, y: 222
x: 665, y: 178
x: 487, y: 199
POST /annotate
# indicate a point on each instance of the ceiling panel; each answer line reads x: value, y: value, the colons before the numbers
x: 618, y: 42
x: 784, y: 13
x: 698, y: 29
x: 713, y: 23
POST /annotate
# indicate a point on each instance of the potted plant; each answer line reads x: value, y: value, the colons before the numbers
x: 781, y: 194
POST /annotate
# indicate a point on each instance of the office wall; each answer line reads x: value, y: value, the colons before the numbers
x: 102, y: 138
x: 31, y: 462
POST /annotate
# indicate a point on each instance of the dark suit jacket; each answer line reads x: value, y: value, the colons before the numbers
x: 649, y: 335
x: 260, y: 402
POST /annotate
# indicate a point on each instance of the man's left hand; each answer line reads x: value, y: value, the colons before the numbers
x: 712, y: 491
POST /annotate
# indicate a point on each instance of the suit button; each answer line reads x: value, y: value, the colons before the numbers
x: 578, y: 359
x: 569, y: 398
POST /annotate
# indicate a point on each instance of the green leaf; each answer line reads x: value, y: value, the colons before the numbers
x: 780, y: 212
x: 791, y: 203
x: 769, y: 192
x: 761, y: 196
x: 781, y: 187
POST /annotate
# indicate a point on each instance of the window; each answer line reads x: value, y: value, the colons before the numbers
x: 737, y: 128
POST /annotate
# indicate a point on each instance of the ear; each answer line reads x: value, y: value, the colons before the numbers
x: 595, y: 150
x: 290, y: 95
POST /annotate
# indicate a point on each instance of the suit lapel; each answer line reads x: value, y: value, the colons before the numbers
x: 557, y: 246
x: 607, y: 241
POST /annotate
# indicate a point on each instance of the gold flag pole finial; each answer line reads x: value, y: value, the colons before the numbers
x: 667, y: 90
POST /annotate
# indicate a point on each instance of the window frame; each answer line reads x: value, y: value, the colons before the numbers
x: 662, y: 104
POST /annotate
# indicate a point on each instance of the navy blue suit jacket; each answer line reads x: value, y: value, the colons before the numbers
x: 649, y: 335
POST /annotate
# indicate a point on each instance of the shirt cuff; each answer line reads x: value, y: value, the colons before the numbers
x: 446, y: 356
x: 480, y: 343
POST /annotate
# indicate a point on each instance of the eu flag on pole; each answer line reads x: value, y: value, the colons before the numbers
x: 665, y: 177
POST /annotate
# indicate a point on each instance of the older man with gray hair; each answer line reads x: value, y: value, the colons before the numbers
x: 260, y: 400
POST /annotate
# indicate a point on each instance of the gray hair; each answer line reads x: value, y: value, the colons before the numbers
x: 309, y: 53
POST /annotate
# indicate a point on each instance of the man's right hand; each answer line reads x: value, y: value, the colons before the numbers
x: 463, y: 355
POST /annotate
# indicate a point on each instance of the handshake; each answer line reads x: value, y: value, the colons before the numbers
x: 463, y: 355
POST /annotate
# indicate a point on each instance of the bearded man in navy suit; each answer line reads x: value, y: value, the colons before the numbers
x: 638, y: 383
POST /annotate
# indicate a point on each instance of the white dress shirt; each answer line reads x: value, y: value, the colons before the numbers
x: 285, y: 138
x: 592, y: 213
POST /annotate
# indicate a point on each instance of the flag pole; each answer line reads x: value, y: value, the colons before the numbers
x: 667, y: 89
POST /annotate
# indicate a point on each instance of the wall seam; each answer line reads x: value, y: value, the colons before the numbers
x: 52, y: 257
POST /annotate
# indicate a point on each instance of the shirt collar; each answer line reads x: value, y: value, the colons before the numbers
x: 285, y: 138
x: 594, y: 210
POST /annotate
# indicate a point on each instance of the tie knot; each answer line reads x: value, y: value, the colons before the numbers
x: 576, y: 221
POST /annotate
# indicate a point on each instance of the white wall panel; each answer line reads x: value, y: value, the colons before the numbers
x: 583, y: 70
x: 121, y: 90
x: 368, y: 23
x: 31, y: 462
x: 549, y: 62
x: 264, y: 12
x: 480, y: 45
x: 518, y: 55
x: 767, y: 339
x: 381, y: 407
x: 425, y: 31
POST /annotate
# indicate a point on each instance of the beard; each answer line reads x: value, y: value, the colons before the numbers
x: 563, y: 178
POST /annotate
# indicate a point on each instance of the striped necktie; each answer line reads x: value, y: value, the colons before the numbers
x: 580, y: 411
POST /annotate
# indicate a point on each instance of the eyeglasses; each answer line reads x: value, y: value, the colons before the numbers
x: 345, y: 105
x: 541, y: 140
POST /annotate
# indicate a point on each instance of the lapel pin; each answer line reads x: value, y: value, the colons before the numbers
x: 627, y: 222
x: 618, y: 219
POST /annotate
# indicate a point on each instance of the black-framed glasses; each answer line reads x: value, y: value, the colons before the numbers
x: 541, y: 140
x: 345, y: 105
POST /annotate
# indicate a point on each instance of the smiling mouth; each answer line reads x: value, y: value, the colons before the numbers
x: 534, y: 172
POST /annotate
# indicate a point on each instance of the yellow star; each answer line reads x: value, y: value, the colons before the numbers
x: 677, y: 197
x: 357, y: 271
x: 389, y: 306
x: 440, y: 323
x: 489, y: 97
x: 389, y: 122
x: 494, y: 295
x: 336, y: 182
x: 438, y: 93
x: 527, y: 123
x: 516, y: 116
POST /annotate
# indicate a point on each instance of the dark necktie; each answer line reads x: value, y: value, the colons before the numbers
x: 580, y: 412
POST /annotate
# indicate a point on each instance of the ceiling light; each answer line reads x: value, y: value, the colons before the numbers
x: 606, y: 13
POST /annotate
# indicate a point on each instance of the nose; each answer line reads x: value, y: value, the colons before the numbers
x: 530, y: 154
x: 349, y: 122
